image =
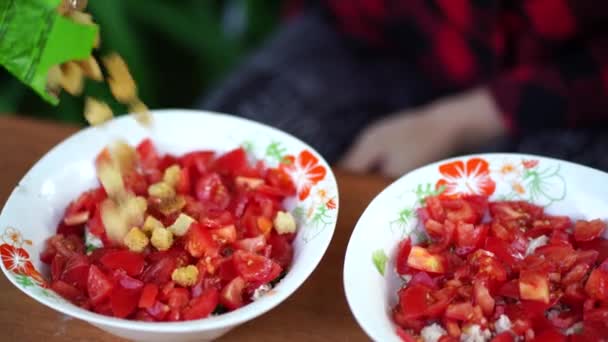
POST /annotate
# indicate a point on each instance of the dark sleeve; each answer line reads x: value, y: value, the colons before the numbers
x: 570, y: 90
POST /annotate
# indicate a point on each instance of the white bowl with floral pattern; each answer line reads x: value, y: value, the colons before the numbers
x: 370, y: 280
x: 37, y: 204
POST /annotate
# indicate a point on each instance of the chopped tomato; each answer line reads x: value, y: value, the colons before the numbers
x: 588, y: 230
x: 255, y: 268
x: 502, y: 249
x: 124, y: 301
x: 403, y: 252
x: 458, y: 210
x: 233, y: 162
x: 211, y: 191
x: 178, y: 298
x: 435, y: 208
x: 148, y: 156
x: 75, y: 271
x: 281, y: 250
x: 459, y: 311
x: 483, y: 298
x: 550, y: 336
x: 202, y: 306
x: 232, y: 294
x: 534, y: 286
x: 413, y: 300
x: 148, y: 296
x: 99, y: 285
x: 199, y: 242
x: 421, y: 259
x: 447, y: 236
x: 226, y: 234
x: 503, y: 337
x: 198, y: 161
x: 280, y: 180
x: 130, y: 262
x: 229, y: 250
x: 597, y: 284
x: 67, y: 291
x: 469, y: 237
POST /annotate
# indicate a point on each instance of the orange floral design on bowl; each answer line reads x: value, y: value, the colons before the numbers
x: 470, y: 177
x: 305, y: 171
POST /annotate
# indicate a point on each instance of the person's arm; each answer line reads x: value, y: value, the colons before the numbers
x: 413, y: 138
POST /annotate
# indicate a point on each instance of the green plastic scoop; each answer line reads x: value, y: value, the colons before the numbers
x: 34, y: 37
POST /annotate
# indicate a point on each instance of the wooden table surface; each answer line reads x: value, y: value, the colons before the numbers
x: 316, y: 312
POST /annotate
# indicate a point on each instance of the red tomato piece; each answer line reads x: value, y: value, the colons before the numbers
x: 597, y: 284
x: 407, y: 322
x: 211, y: 191
x: 198, y: 161
x: 281, y: 250
x: 232, y: 294
x: 598, y: 245
x: 534, y: 285
x: 233, y: 162
x: 435, y: 209
x: 459, y: 311
x: 404, y: 336
x: 279, y: 179
x: 178, y: 298
x: 548, y: 225
x: 160, y: 271
x: 76, y: 271
x: 458, y: 210
x: 421, y: 259
x: 99, y: 285
x: 550, y: 336
x: 588, y: 230
x: 148, y: 296
x: 224, y: 235
x: 201, y: 306
x: 483, y: 298
x: 255, y: 268
x: 509, y: 289
x: 413, y: 301
x: 503, y: 337
x: 438, y: 302
x: 57, y: 266
x: 576, y: 274
x: 479, y: 204
x: 424, y: 279
x: 148, y: 156
x: 470, y: 237
x: 502, y: 250
x: 124, y: 301
x: 447, y: 236
x: 562, y: 256
x: 131, y: 262
x: 403, y: 252
x: 158, y: 311
x: 199, y: 242
x: 67, y: 291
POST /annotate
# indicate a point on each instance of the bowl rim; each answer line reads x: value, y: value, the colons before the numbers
x: 226, y: 320
x: 350, y: 249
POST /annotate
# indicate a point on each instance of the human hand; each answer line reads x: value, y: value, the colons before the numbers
x: 411, y: 139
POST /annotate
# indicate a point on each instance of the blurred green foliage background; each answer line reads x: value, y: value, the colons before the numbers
x: 176, y: 50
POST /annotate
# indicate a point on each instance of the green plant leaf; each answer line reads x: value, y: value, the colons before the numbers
x: 379, y: 258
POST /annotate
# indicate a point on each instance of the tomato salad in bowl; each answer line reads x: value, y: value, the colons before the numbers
x: 168, y: 238
x: 181, y: 230
x: 502, y: 271
x: 492, y: 247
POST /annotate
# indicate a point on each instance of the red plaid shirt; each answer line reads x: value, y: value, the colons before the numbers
x: 545, y: 61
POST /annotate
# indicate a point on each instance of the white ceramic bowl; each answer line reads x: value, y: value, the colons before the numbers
x: 36, y: 205
x: 370, y: 281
